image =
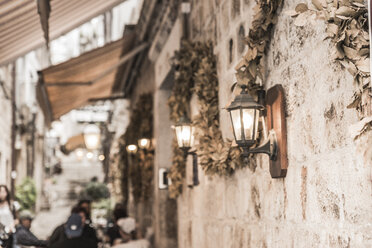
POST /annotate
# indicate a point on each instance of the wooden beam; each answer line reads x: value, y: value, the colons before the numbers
x: 64, y: 84
x: 109, y: 98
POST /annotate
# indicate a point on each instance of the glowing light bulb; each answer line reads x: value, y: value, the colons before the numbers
x: 132, y: 148
x: 247, y: 120
x: 185, y: 134
x: 144, y: 143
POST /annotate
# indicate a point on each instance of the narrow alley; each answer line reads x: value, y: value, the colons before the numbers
x: 185, y: 124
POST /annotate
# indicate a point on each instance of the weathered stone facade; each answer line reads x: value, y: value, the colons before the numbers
x: 325, y: 199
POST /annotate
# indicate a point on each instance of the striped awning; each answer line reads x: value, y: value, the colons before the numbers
x: 90, y: 76
x: 20, y: 24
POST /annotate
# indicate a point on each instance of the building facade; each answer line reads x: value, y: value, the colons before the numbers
x: 325, y: 198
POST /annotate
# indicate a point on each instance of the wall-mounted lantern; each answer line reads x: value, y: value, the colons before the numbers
x: 185, y: 140
x: 92, y: 136
x: 132, y: 149
x: 144, y: 143
x: 245, y: 113
x: 185, y: 133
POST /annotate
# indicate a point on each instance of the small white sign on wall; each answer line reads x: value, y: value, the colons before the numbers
x: 164, y: 181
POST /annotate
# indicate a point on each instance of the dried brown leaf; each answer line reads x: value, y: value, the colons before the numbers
x: 363, y: 65
x: 301, y: 8
x: 345, y: 11
x: 319, y: 4
x: 332, y: 29
x: 350, y: 52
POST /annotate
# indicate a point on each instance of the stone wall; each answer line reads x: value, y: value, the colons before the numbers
x: 325, y: 199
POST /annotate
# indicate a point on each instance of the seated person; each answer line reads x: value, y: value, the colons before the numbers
x: 73, y: 229
x: 24, y: 236
x: 88, y: 231
x: 129, y: 236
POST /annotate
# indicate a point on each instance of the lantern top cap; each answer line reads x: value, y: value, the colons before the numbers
x: 244, y: 101
x: 183, y: 121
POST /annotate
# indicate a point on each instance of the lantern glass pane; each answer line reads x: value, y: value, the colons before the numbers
x: 186, y: 136
x: 179, y: 135
x: 248, y: 123
x: 236, y: 121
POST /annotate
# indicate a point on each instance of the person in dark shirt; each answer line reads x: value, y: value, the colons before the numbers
x: 89, y: 232
x: 24, y: 236
x: 73, y: 229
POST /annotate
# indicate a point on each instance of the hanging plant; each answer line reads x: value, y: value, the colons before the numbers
x: 140, y: 165
x: 186, y: 62
x: 215, y: 155
x: 347, y: 27
x: 251, y: 69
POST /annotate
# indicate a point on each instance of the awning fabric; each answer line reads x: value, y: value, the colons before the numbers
x: 21, y: 30
x: 74, y: 83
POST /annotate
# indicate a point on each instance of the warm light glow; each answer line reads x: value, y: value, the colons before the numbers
x: 92, y: 136
x: 101, y: 157
x: 144, y: 143
x: 248, y: 119
x: 79, y: 154
x: 90, y: 155
x: 185, y: 136
x: 132, y: 148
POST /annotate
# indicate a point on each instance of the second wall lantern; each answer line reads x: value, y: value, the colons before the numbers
x: 185, y: 140
x: 184, y: 133
x: 245, y: 113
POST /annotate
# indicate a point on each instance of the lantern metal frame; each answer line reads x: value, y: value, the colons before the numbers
x: 245, y: 101
x: 185, y: 121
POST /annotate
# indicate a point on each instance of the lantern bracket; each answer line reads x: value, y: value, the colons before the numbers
x: 270, y: 147
x: 195, y: 176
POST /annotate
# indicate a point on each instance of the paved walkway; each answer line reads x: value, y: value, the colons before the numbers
x: 63, y: 195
